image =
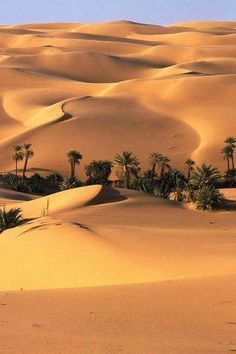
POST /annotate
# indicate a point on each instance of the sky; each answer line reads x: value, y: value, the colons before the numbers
x: 146, y: 11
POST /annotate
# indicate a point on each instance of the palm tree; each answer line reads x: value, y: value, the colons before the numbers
x: 163, y: 163
x: 189, y: 163
x: 227, y: 152
x: 128, y: 164
x: 18, y: 155
x: 154, y: 159
x: 205, y: 175
x: 74, y: 158
x: 230, y: 141
x: 28, y: 154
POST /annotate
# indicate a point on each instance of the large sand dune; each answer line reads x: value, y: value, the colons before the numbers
x: 126, y: 86
x: 102, y: 236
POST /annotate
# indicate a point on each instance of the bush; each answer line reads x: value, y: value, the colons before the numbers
x: 207, y: 198
x: 10, y: 219
x: 54, y: 179
x: 69, y: 183
x: 170, y: 185
x: 98, y: 172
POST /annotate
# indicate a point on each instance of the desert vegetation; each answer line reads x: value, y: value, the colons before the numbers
x: 10, y: 218
x: 197, y: 186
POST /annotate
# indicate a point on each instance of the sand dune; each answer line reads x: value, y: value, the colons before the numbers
x: 138, y: 75
x: 102, y: 236
x: 150, y: 276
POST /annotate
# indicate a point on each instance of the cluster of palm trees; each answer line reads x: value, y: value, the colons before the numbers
x: 161, y: 179
x: 20, y: 153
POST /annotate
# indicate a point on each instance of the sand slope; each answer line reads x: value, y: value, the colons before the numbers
x: 125, y: 85
x: 151, y: 277
x: 102, y: 236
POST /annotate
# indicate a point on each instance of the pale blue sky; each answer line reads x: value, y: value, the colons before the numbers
x: 147, y: 11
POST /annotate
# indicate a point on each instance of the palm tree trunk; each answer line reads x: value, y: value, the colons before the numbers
x: 189, y: 173
x: 72, y: 169
x: 233, y: 162
x: 162, y: 171
x: 25, y: 167
x: 127, y: 179
x: 228, y: 166
x: 16, y: 173
x: 153, y: 172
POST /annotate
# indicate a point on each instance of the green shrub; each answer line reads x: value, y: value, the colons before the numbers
x: 69, y: 183
x: 207, y: 198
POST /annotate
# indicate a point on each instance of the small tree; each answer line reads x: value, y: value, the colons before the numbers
x: 74, y: 158
x: 18, y: 155
x: 28, y: 153
x: 128, y: 166
x: 154, y: 160
x: 163, y: 164
x: 227, y: 153
x: 230, y: 142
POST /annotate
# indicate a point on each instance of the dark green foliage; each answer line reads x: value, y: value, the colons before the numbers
x: 9, y: 178
x: 35, y: 184
x: 69, y: 183
x: 10, y: 219
x: 54, y: 178
x: 146, y: 181
x: 205, y: 175
x: 98, y: 172
x: 207, y: 197
x: 230, y: 177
